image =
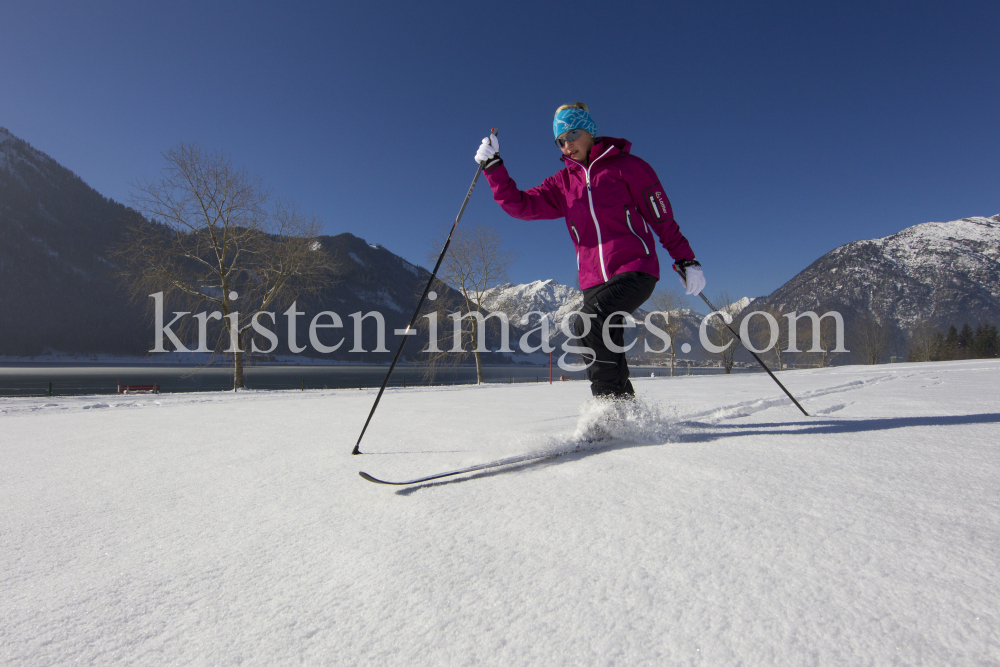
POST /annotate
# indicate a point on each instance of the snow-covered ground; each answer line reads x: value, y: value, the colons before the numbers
x: 721, y: 527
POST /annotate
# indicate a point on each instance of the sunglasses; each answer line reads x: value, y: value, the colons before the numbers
x: 572, y: 135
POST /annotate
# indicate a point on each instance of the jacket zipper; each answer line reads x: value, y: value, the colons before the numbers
x: 577, y: 234
x: 656, y: 209
x: 593, y: 213
x: 628, y: 220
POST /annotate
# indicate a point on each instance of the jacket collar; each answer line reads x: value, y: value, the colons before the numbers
x: 601, y: 144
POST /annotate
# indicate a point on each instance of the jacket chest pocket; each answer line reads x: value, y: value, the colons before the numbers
x: 629, y: 222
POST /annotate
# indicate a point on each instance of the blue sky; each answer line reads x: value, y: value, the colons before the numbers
x: 779, y: 129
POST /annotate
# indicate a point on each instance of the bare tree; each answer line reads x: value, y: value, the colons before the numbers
x: 720, y: 335
x: 476, y: 260
x: 219, y: 238
x: 437, y: 355
x: 825, y: 336
x: 759, y: 330
x: 669, y: 302
x: 827, y: 340
x: 871, y: 337
x: 924, y: 342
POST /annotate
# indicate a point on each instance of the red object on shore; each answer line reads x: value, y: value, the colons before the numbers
x: 138, y: 388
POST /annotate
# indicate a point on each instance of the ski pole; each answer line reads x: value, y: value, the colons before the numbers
x: 413, y: 321
x: 704, y: 298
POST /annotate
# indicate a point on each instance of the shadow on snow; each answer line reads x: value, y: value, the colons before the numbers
x: 702, y: 432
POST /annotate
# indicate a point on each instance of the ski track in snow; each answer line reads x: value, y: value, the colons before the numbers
x: 715, y: 525
x: 747, y: 408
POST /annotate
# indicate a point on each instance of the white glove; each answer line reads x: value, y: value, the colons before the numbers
x: 488, y: 152
x: 695, y: 280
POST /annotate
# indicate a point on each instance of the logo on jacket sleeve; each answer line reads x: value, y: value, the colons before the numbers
x: 656, y: 203
x: 664, y: 204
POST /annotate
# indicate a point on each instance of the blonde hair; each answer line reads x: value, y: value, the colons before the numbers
x: 575, y: 105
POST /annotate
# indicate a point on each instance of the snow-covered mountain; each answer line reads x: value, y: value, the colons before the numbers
x: 737, y: 306
x: 545, y: 296
x: 556, y: 301
x: 943, y: 272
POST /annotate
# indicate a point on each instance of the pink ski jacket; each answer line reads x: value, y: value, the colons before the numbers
x: 611, y: 209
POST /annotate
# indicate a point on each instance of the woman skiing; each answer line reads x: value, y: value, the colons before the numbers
x: 613, y: 203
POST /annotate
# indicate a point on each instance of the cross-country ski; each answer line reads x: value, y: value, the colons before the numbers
x: 461, y: 471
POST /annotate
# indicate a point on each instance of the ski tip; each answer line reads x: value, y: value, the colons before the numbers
x: 368, y: 477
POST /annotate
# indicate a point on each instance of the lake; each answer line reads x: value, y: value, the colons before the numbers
x: 24, y: 379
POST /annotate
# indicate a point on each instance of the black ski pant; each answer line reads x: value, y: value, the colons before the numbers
x: 624, y: 293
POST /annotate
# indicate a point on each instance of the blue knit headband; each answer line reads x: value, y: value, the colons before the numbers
x: 573, y: 119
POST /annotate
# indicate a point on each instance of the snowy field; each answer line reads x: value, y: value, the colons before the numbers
x: 720, y: 526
